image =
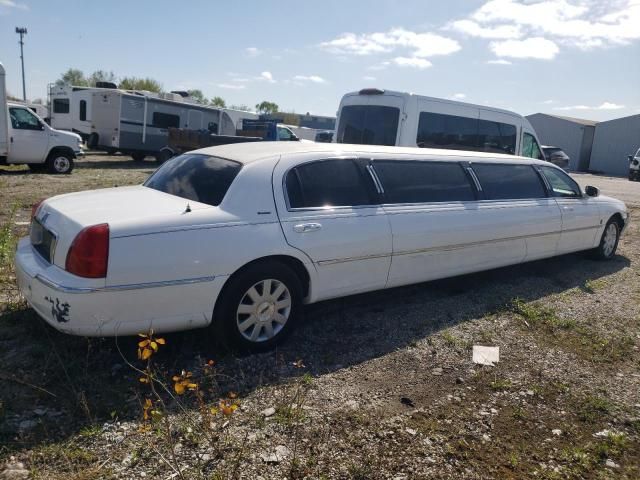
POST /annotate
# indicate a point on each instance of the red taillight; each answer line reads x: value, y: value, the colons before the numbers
x: 89, y: 253
x: 35, y: 207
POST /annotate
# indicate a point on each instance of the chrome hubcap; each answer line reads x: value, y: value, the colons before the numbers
x: 61, y: 164
x: 610, y: 237
x: 263, y: 310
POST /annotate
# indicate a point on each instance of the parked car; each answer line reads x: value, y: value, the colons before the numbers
x: 556, y: 156
x: 25, y: 138
x: 324, y: 137
x: 241, y: 236
x: 634, y: 166
x: 383, y: 117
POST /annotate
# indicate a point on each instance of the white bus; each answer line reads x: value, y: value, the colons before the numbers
x: 384, y: 117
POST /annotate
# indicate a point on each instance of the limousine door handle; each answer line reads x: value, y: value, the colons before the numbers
x: 307, y: 227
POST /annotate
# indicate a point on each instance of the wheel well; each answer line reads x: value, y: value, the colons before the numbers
x: 293, y: 263
x: 618, y: 218
x: 61, y: 150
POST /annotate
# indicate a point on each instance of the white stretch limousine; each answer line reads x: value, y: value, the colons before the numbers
x: 240, y: 236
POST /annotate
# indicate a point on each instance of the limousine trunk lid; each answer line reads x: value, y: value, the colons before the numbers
x: 64, y: 216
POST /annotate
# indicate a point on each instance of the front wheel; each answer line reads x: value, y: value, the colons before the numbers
x: 138, y: 156
x: 608, y: 242
x: 60, y: 163
x: 258, y: 307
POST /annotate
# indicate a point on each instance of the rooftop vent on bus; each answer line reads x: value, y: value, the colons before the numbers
x: 371, y: 91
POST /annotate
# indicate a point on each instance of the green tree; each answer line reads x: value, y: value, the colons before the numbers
x: 241, y: 107
x: 218, y: 102
x: 198, y: 96
x: 73, y: 76
x: 135, y: 83
x: 102, y: 76
x: 267, y: 107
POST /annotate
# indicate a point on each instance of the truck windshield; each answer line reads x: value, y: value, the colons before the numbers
x: 197, y: 177
x: 368, y: 125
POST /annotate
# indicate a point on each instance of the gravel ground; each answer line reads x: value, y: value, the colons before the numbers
x: 379, y: 385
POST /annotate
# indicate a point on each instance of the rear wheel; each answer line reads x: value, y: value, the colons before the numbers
x: 258, y: 307
x: 164, y: 155
x: 60, y: 163
x: 138, y: 156
x: 609, y: 241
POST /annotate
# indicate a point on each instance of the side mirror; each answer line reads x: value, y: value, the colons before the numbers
x: 630, y: 157
x: 592, y: 191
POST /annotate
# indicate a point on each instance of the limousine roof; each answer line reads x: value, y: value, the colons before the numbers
x: 253, y: 151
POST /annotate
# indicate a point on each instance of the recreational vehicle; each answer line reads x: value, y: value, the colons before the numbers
x: 384, y: 117
x: 137, y: 123
x: 70, y: 108
x: 25, y: 138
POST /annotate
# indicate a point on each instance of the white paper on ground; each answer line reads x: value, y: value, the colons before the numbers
x: 486, y: 355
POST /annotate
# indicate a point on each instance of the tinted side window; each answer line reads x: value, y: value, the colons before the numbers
x: 561, y: 184
x: 23, y: 119
x: 508, y: 181
x: 368, y: 125
x: 530, y: 147
x: 417, y: 182
x: 83, y: 110
x: 165, y: 120
x: 496, y: 137
x: 436, y: 130
x: 327, y: 183
x: 196, y: 177
x: 61, y: 105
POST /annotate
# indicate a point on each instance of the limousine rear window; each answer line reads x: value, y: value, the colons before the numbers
x: 197, y: 177
x: 368, y: 125
x: 504, y: 182
x: 327, y: 183
x: 418, y: 182
x: 437, y: 130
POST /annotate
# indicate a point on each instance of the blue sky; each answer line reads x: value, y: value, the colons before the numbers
x: 565, y: 57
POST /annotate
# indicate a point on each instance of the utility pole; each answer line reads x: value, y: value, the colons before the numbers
x: 22, y: 32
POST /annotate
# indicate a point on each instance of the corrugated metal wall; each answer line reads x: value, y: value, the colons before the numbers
x: 614, y: 140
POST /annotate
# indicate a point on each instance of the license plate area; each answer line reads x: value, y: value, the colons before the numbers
x: 43, y: 241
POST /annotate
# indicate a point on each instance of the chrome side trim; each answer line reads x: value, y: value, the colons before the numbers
x: 119, y: 288
x: 475, y: 179
x: 448, y: 248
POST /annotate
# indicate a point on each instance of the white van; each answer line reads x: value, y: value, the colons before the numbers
x: 26, y: 138
x: 384, y: 117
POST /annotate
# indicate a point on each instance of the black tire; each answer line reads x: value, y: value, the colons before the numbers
x: 227, y: 319
x: 607, y: 250
x: 60, y: 163
x: 92, y: 141
x: 37, y: 167
x: 164, y: 155
x: 138, y: 156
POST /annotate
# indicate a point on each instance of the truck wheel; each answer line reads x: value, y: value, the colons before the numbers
x: 164, y: 155
x: 60, y: 163
x: 92, y: 141
x: 138, y: 156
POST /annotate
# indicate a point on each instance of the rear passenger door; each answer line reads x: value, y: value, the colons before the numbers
x: 329, y: 210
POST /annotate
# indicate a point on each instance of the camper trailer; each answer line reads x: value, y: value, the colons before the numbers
x: 70, y: 108
x: 137, y: 123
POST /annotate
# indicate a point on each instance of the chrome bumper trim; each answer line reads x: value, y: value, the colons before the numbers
x: 118, y: 288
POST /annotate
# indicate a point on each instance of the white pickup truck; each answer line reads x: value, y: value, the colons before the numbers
x: 26, y: 139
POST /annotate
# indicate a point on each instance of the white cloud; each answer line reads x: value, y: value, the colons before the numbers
x: 379, y: 66
x: 574, y: 23
x: 602, y: 106
x: 500, y: 61
x: 231, y: 86
x: 536, y: 47
x: 252, y: 51
x: 310, y: 78
x: 12, y: 4
x: 417, y: 44
x: 267, y: 76
x: 369, y: 78
x: 458, y: 96
x: 474, y: 29
x: 413, y: 62
x: 548, y: 102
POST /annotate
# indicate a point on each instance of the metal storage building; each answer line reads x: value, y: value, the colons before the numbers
x: 614, y: 141
x: 573, y: 135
